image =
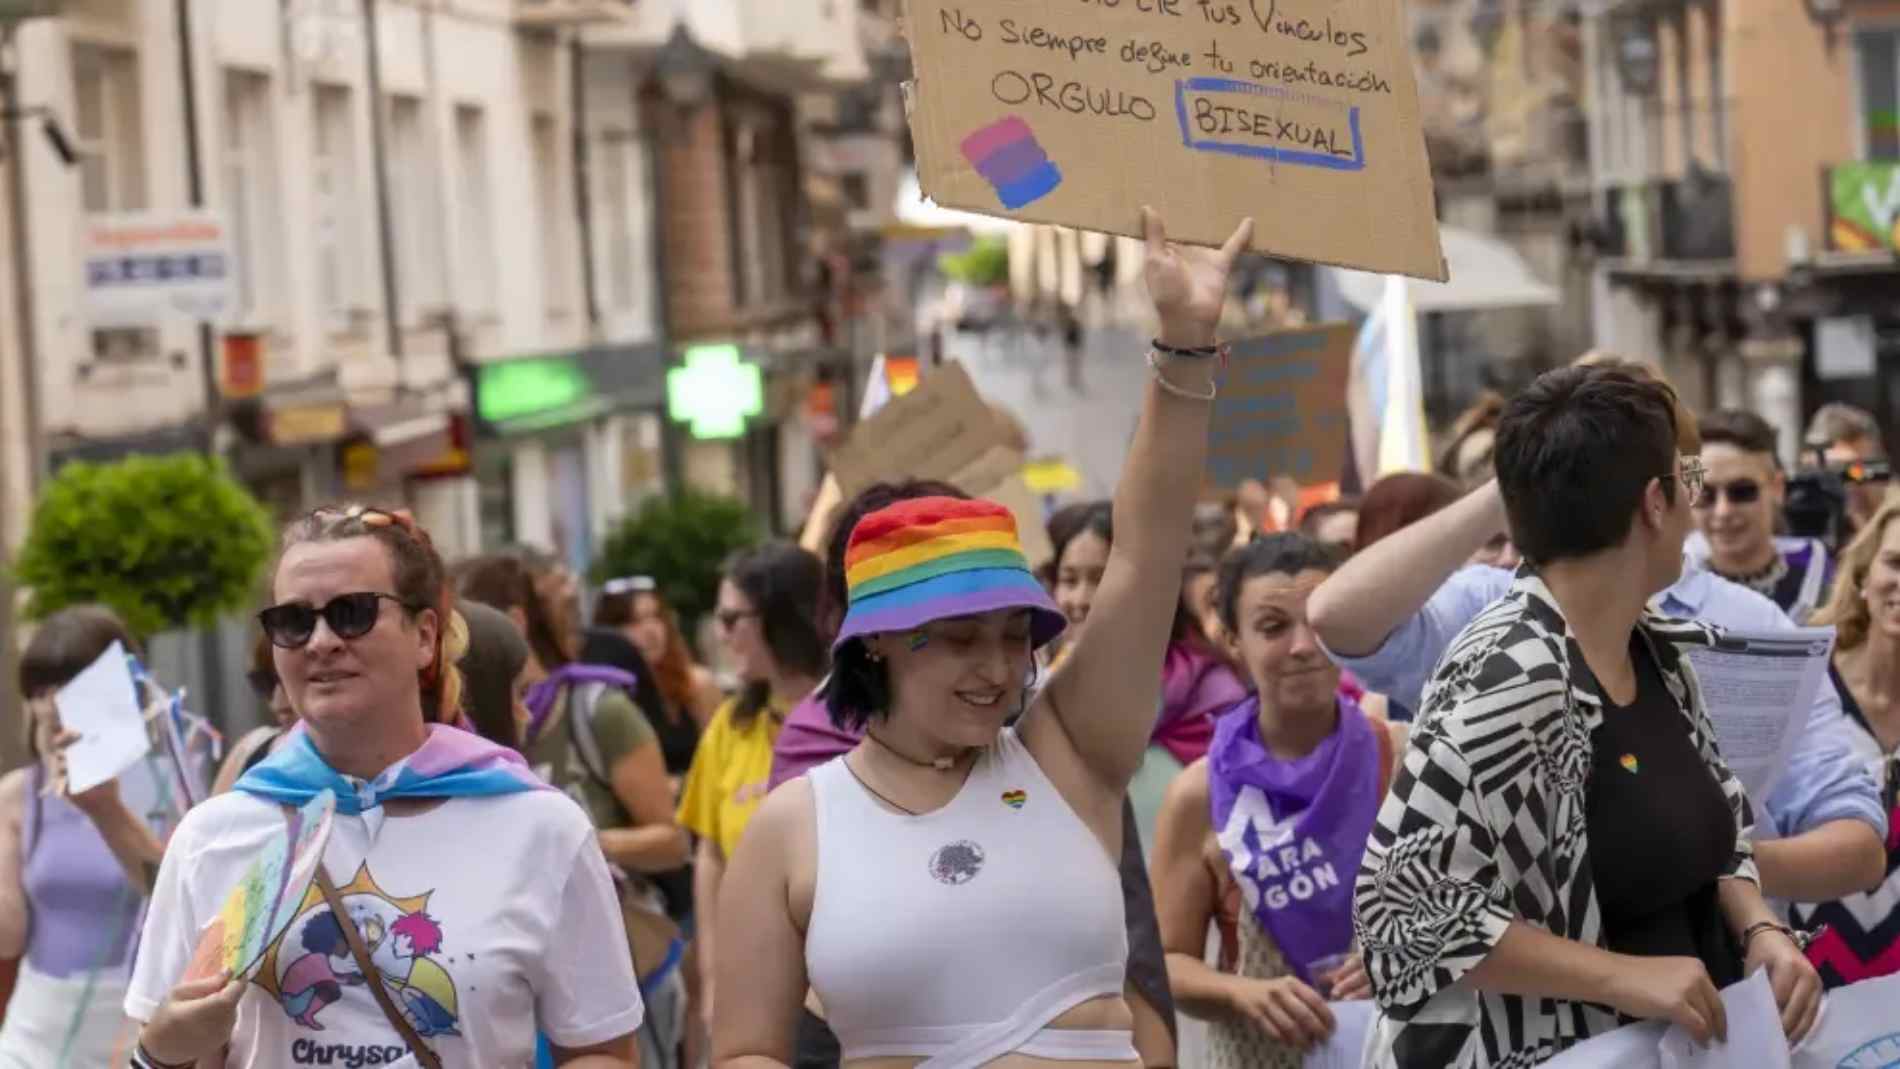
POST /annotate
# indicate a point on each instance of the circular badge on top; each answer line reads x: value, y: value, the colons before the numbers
x: 957, y: 862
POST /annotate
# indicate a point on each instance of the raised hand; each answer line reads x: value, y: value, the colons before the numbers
x: 1189, y: 285
x: 93, y: 800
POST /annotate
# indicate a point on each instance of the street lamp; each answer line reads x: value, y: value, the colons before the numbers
x: 685, y: 70
x: 1637, y: 58
x: 1827, y: 14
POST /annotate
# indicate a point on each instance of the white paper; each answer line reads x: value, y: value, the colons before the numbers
x: 1755, y: 1039
x: 1760, y: 688
x: 101, y: 704
x: 1352, y: 1021
x: 1859, y: 1028
x: 1633, y: 1046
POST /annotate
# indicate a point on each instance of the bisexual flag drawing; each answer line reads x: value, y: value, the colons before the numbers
x: 1010, y: 158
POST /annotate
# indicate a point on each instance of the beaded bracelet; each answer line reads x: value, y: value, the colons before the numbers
x: 1161, y: 380
x: 142, y: 1059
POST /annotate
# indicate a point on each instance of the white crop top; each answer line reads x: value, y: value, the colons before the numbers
x: 958, y: 935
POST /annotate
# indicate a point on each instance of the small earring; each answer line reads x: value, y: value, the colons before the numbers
x: 871, y: 654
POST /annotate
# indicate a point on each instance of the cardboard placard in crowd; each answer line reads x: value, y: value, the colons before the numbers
x: 1301, y: 113
x: 1282, y: 409
x: 942, y: 429
x: 933, y: 432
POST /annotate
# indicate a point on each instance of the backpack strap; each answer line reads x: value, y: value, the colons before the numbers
x: 372, y: 977
x: 582, y: 699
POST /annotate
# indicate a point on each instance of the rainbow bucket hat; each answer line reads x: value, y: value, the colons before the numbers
x: 931, y: 558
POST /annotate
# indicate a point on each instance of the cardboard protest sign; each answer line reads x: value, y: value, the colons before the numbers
x: 1300, y: 113
x: 933, y: 432
x: 1282, y: 409
x: 942, y: 429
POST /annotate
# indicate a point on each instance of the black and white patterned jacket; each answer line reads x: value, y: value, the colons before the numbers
x: 1486, y: 824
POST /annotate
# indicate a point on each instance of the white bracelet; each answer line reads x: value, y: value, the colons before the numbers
x: 1161, y: 380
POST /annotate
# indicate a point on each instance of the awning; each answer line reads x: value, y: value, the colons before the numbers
x: 1485, y: 273
x: 914, y: 212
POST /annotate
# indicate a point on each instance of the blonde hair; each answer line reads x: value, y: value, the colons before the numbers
x: 1846, y: 608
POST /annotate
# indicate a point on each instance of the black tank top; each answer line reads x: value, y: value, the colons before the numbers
x: 678, y: 738
x: 1661, y: 831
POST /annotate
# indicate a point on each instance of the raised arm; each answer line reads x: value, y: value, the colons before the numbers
x: 130, y: 839
x: 14, y: 911
x: 1371, y: 595
x: 1107, y: 694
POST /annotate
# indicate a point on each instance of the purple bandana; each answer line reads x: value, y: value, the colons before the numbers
x: 1294, y: 831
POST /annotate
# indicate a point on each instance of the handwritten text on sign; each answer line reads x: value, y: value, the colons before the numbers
x: 1301, y: 113
x: 1282, y: 410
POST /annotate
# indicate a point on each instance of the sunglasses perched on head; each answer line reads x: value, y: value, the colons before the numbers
x: 290, y: 625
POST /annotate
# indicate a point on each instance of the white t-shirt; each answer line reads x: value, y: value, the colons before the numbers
x: 487, y: 917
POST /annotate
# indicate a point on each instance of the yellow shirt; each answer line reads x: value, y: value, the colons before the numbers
x: 731, y: 768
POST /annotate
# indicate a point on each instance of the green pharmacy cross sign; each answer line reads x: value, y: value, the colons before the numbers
x: 715, y: 391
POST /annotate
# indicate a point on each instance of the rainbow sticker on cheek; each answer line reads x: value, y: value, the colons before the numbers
x: 918, y: 640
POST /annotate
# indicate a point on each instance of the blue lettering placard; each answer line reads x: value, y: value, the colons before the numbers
x: 1282, y: 409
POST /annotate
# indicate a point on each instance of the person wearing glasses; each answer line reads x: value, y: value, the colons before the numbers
x: 1389, y: 614
x: 478, y: 905
x: 1564, y: 847
x: 767, y: 614
x: 1735, y: 520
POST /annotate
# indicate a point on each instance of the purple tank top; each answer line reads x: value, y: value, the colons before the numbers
x: 84, y: 911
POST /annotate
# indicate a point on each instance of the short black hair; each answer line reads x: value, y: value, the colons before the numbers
x: 1575, y: 451
x: 782, y: 582
x: 1744, y: 430
x: 859, y: 688
x: 1282, y: 553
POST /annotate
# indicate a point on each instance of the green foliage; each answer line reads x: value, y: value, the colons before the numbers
x: 682, y: 542
x: 164, y: 541
x: 984, y: 263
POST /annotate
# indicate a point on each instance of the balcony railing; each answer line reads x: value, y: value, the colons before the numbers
x: 550, y: 14
x: 1685, y: 220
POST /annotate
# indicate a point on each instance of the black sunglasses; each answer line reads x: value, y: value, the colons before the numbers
x: 1739, y: 492
x: 289, y: 626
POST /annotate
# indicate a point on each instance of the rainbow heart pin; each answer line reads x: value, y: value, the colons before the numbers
x: 1628, y: 761
x: 1015, y: 799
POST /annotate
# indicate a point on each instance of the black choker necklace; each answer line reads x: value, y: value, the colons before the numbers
x: 940, y: 764
x: 1764, y: 581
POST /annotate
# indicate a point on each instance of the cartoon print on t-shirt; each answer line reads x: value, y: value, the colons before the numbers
x: 311, y: 964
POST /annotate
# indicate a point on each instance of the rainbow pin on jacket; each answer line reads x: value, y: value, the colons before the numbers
x: 933, y: 558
